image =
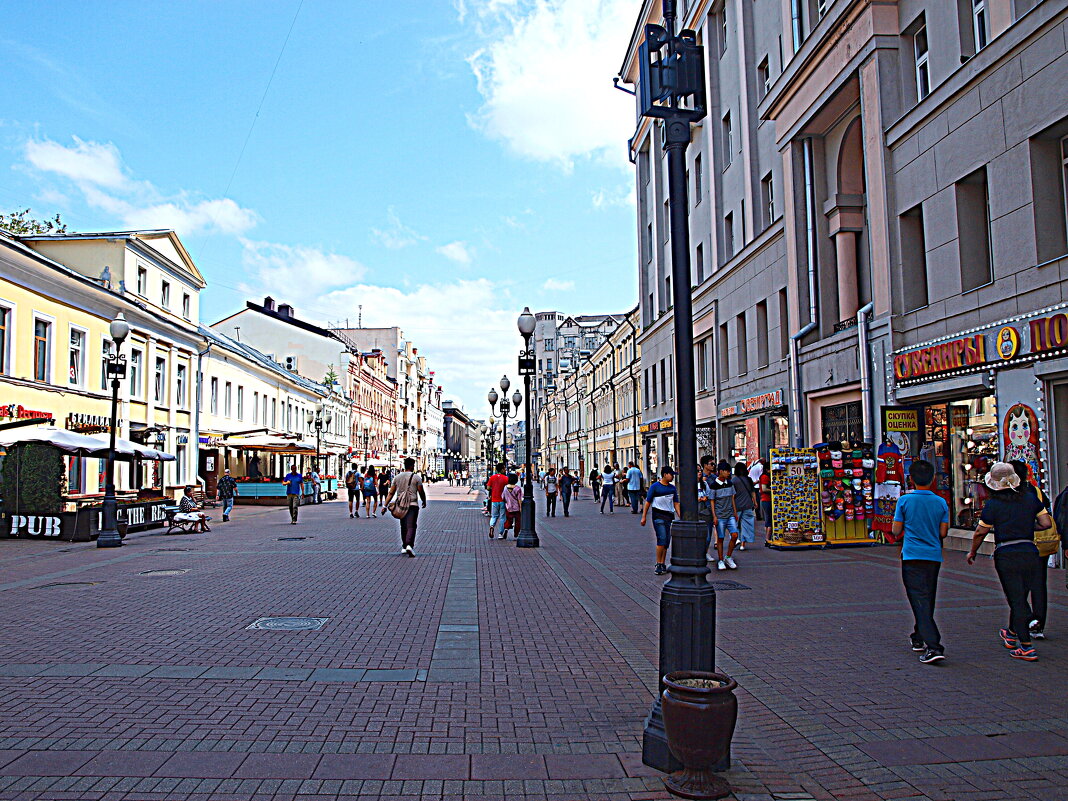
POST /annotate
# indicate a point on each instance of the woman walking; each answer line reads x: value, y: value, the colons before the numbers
x: 745, y: 504
x: 370, y: 491
x: 1012, y: 513
x: 406, y: 492
x: 383, y: 490
x: 608, y: 488
x: 567, y: 484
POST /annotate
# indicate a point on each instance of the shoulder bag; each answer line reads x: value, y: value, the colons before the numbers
x: 402, y: 498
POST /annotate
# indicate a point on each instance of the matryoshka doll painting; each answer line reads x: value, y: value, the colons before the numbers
x: 1021, y: 438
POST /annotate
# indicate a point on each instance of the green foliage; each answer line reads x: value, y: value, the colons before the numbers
x: 331, y: 376
x: 33, y: 480
x: 20, y: 222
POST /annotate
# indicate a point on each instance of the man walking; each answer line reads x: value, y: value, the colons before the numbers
x: 663, y: 499
x: 634, y: 486
x: 317, y: 486
x: 496, y: 484
x: 353, y: 479
x: 567, y: 484
x: 225, y: 491
x: 407, y: 492
x: 294, y: 484
x: 724, y: 515
x: 923, y: 518
x: 549, y: 483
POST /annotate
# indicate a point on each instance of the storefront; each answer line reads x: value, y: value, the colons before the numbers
x: 658, y: 441
x: 752, y: 426
x: 967, y: 400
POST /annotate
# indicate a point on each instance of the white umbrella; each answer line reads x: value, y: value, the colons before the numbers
x: 67, y: 441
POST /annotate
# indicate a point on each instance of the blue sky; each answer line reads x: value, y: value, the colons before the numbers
x: 443, y: 167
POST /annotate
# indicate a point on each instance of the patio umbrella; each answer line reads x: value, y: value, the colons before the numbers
x: 60, y: 438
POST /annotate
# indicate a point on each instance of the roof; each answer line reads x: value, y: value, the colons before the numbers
x: 297, y: 323
x: 260, y: 358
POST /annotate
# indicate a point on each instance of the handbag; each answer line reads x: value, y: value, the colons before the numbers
x: 1047, y: 539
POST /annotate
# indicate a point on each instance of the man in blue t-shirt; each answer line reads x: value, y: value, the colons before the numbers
x: 634, y: 486
x: 663, y: 499
x: 923, y: 518
x: 294, y: 484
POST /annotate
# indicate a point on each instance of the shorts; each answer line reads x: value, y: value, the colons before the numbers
x: 354, y: 493
x: 370, y: 493
x: 726, y: 525
x: 662, y: 527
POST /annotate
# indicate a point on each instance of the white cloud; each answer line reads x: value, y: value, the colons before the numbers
x: 556, y: 285
x: 96, y: 169
x: 287, y: 270
x: 624, y: 197
x: 459, y: 252
x: 395, y: 235
x: 545, y: 75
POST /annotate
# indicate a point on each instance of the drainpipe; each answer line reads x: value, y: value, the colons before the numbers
x: 865, y: 372
x: 795, y: 339
x: 196, y: 418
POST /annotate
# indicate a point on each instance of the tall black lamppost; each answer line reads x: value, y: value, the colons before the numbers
x: 672, y: 88
x: 517, y: 400
x: 528, y: 537
x: 108, y: 536
x: 318, y: 419
x: 505, y: 411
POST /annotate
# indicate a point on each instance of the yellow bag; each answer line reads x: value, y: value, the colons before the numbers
x: 1048, y: 540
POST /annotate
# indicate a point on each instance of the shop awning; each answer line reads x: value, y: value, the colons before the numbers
x: 95, y: 445
x: 271, y: 444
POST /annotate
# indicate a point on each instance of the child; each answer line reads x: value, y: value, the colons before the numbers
x: 513, y: 504
x: 923, y: 518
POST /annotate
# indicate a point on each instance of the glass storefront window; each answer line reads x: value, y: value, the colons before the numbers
x: 973, y: 447
x: 780, y: 431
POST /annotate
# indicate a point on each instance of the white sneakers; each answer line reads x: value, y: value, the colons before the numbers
x: 408, y: 550
x: 722, y: 565
x: 731, y: 563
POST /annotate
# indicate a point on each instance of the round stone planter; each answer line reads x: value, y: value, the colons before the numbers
x: 700, y: 712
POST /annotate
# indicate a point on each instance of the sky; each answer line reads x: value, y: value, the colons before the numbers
x: 441, y: 166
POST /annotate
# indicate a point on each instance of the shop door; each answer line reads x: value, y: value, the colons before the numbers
x: 1059, y: 428
x: 842, y: 422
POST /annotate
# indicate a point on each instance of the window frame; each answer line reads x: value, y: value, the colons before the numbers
x: 187, y: 305
x: 83, y: 357
x: 136, y: 371
x: 980, y: 24
x: 7, y: 328
x: 142, y: 281
x: 213, y: 395
x: 764, y: 76
x: 165, y: 294
x: 921, y: 61
x: 727, y: 131
x: 181, y: 382
x: 49, y: 348
x: 159, y: 381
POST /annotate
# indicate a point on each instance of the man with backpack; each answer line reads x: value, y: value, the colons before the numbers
x: 353, y: 480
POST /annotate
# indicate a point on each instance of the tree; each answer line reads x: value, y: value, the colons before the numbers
x: 20, y: 222
x: 331, y: 376
x: 33, y: 479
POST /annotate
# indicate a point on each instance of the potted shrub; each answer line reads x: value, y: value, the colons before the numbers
x: 700, y: 711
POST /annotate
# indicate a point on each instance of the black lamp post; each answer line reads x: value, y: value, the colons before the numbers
x: 505, y: 411
x: 672, y: 88
x: 318, y: 419
x: 528, y: 536
x: 108, y: 536
x: 517, y: 400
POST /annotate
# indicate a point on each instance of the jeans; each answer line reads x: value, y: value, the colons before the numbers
x: 607, y: 494
x: 1038, y: 592
x: 1016, y: 569
x: 662, y: 527
x: 550, y: 504
x: 228, y: 504
x: 726, y: 526
x: 496, y: 514
x: 920, y: 577
x: 635, y: 499
x: 565, y: 496
x: 408, y: 524
x: 294, y: 505
x: 747, y: 521
x: 765, y: 511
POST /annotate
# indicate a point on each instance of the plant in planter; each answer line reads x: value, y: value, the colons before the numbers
x: 700, y: 712
x: 34, y: 479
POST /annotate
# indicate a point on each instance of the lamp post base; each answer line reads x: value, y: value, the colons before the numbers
x: 528, y: 537
x: 108, y: 539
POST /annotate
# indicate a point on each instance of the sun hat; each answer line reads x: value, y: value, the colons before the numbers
x: 1002, y: 476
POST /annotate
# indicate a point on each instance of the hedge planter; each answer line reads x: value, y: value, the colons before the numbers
x: 700, y: 711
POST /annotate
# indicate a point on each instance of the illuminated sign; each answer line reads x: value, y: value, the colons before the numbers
x: 941, y: 358
x: 656, y: 425
x: 16, y: 412
x: 768, y: 400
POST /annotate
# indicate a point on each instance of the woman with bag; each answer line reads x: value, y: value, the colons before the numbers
x: 403, y: 502
x: 1046, y: 540
x: 370, y: 491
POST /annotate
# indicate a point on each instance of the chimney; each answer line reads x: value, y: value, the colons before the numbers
x: 285, y: 310
x: 268, y: 303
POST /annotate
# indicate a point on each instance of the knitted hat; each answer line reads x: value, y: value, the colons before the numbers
x: 1002, y: 476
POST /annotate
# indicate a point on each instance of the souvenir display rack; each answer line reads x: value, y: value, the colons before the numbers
x: 847, y: 492
x: 795, y: 510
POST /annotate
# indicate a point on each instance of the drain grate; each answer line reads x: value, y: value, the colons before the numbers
x: 68, y: 584
x: 289, y: 623
x: 163, y: 572
x: 721, y: 586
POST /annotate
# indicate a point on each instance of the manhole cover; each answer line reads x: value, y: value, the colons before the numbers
x: 162, y: 572
x: 67, y: 584
x: 289, y: 623
x: 729, y: 585
x: 292, y: 539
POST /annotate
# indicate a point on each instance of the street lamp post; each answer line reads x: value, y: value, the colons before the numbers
x: 108, y: 536
x: 672, y: 88
x: 528, y: 536
x: 317, y: 419
x: 517, y: 400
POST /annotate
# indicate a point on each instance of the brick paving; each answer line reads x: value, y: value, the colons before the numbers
x: 479, y: 670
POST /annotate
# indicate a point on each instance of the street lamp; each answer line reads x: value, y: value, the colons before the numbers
x: 505, y: 411
x: 317, y: 419
x: 517, y: 400
x: 528, y: 536
x: 672, y: 88
x: 108, y: 536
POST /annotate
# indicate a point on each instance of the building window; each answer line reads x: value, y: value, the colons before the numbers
x: 728, y: 236
x: 913, y: 259
x: 159, y: 395
x: 213, y: 401
x: 663, y: 380
x: 980, y: 28
x: 227, y: 397
x: 76, y: 363
x: 165, y: 295
x: 180, y: 463
x: 42, y: 336
x: 764, y: 78
x: 180, y: 384
x: 724, y: 351
x: 973, y: 230
x: 767, y: 198
x: 255, y: 407
x: 699, y: 364
x: 923, y: 70
x: 698, y: 187
x: 240, y: 403
x: 5, y: 330
x: 652, y: 381
x: 185, y: 305
x: 274, y: 413
x: 75, y: 475
x: 723, y: 31
x: 784, y: 324
x: 762, y: 333
x: 549, y: 366
x: 136, y: 362
x: 550, y: 344
x: 728, y: 140
x: 142, y: 282
x: 700, y: 259
x: 669, y: 300
x: 1049, y: 174
x: 742, y: 337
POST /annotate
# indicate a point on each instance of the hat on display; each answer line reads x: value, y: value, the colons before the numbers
x: 1002, y: 476
x: 867, y: 463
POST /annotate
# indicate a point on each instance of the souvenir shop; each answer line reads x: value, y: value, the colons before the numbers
x: 967, y: 400
x: 754, y: 425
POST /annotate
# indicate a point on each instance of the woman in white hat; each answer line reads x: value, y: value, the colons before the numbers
x: 1012, y: 514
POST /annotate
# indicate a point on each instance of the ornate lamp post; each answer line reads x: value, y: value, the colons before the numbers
x: 517, y: 401
x: 318, y: 419
x: 109, y: 537
x: 528, y: 537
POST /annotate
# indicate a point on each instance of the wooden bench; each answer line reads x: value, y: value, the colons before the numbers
x: 179, y: 526
x: 202, y: 501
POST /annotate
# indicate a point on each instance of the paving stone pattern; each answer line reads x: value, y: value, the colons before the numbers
x: 479, y: 670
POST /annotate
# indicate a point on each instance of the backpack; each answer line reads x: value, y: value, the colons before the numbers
x: 369, y: 484
x: 350, y: 479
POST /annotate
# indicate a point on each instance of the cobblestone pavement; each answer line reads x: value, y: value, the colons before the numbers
x: 479, y: 670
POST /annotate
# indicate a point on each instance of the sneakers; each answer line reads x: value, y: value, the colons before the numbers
x: 1036, y: 630
x: 351, y: 515
x: 226, y: 518
x: 731, y: 563
x: 722, y: 565
x: 661, y: 569
x: 917, y: 645
x: 502, y: 536
x: 1009, y: 639
x: 930, y: 655
x: 741, y: 546
x: 408, y: 550
x: 1025, y: 652
x: 491, y: 532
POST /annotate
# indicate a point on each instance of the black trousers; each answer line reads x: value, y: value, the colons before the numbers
x: 408, y: 524
x: 1038, y: 592
x: 550, y: 504
x: 921, y: 585
x: 1016, y: 569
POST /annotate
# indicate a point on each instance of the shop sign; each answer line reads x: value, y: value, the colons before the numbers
x: 945, y: 356
x: 35, y: 526
x: 182, y: 439
x: 656, y: 425
x: 16, y: 412
x: 896, y: 418
x: 757, y: 403
x: 88, y: 423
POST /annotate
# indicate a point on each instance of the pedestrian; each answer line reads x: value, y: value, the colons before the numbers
x: 705, y: 476
x: 405, y: 494
x: 1012, y: 513
x: 317, y: 486
x: 370, y: 491
x: 663, y: 499
x: 921, y: 517
x: 353, y: 481
x: 549, y: 483
x: 294, y: 484
x: 384, y: 479
x: 595, y: 484
x: 226, y: 491
x: 756, y: 470
x: 765, y: 498
x: 620, y: 486
x: 496, y: 484
x: 513, y: 506
x: 608, y: 480
x: 634, y: 486
x: 567, y: 485
x: 745, y: 502
x: 1046, y: 541
x: 190, y: 512
x: 724, y: 515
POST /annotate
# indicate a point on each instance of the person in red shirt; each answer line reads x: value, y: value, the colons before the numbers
x: 765, y: 498
x: 496, y: 484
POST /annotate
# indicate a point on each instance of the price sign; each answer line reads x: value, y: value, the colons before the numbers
x: 817, y: 538
x: 796, y: 471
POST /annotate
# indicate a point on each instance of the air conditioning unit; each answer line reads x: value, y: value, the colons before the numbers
x: 291, y: 363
